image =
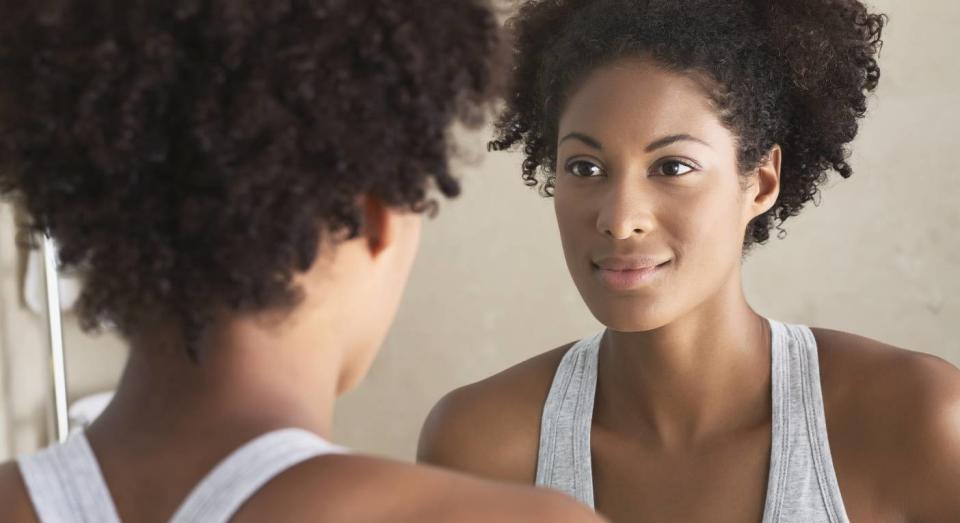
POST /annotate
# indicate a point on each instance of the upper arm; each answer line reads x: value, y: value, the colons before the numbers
x: 894, y: 422
x: 363, y: 488
x: 561, y: 508
x: 15, y: 505
x: 492, y: 428
x: 448, y: 431
x: 469, y: 499
x: 532, y: 504
x: 464, y: 432
x: 932, y: 450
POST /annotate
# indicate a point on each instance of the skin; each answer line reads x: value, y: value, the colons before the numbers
x: 682, y: 419
x: 266, y: 371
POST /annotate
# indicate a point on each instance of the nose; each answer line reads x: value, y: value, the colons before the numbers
x: 625, y: 212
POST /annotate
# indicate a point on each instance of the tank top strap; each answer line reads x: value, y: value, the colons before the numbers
x: 65, y: 483
x: 802, y: 480
x: 238, y: 477
x: 564, y: 462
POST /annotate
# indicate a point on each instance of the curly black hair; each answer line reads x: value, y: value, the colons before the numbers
x: 789, y: 72
x: 188, y: 155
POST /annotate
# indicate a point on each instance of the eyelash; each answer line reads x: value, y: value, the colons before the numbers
x: 691, y: 168
x: 570, y: 166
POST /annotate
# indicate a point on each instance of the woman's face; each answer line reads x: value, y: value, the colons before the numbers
x: 650, y: 203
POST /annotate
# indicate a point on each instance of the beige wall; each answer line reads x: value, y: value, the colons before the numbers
x: 880, y: 257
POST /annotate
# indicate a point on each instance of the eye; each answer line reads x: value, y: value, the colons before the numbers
x: 672, y: 168
x: 584, y: 169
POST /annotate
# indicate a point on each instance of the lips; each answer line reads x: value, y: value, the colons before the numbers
x: 629, y: 263
x: 628, y: 272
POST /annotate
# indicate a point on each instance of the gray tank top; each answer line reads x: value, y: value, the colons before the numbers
x: 66, y: 486
x: 802, y: 484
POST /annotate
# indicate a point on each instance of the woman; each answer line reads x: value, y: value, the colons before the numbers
x: 241, y: 184
x: 673, y: 136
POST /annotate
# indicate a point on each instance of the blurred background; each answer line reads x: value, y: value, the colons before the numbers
x: 880, y: 257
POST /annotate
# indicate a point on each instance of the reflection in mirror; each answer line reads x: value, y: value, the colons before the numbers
x: 678, y: 144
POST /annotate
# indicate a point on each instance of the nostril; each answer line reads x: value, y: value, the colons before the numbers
x: 623, y: 235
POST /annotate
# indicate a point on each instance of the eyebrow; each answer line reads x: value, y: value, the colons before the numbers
x: 583, y: 138
x: 658, y: 144
x: 672, y: 139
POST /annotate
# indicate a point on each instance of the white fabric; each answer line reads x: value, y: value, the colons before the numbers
x: 66, y: 485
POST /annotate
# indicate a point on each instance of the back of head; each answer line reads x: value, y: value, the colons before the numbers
x: 189, y: 156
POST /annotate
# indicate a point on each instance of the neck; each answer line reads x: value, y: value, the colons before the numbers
x: 248, y: 381
x: 704, y: 375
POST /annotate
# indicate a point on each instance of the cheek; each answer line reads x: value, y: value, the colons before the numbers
x: 572, y: 217
x: 709, y: 235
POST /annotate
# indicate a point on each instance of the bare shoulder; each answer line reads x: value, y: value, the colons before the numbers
x: 858, y: 372
x: 361, y: 488
x: 15, y: 504
x: 894, y: 415
x: 492, y: 428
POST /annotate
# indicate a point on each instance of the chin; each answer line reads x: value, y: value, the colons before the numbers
x: 621, y: 323
x: 356, y: 368
x: 349, y: 381
x: 346, y: 383
x: 623, y: 314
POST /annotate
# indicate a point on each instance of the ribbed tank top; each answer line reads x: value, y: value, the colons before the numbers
x: 66, y: 485
x: 802, y: 484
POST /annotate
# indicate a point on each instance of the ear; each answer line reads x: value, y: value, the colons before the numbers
x: 765, y: 191
x: 378, y: 226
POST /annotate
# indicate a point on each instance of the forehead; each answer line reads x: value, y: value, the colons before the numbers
x: 635, y: 98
